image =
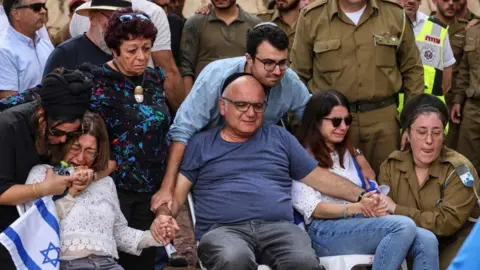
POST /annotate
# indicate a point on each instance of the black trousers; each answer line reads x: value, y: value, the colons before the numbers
x: 136, y: 209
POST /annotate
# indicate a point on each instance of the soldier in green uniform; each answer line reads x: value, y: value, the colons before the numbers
x: 429, y: 182
x: 366, y: 50
x: 285, y: 16
x: 466, y: 96
x: 216, y: 35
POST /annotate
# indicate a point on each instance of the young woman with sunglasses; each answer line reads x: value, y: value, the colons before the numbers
x: 29, y: 134
x: 339, y: 227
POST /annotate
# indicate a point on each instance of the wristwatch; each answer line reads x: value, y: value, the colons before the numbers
x: 357, y: 152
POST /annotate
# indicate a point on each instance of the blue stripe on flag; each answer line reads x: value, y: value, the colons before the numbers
x: 29, y: 263
x: 47, y: 216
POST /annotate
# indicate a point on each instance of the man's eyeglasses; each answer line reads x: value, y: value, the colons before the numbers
x: 337, y: 121
x: 270, y: 65
x: 88, y: 153
x: 36, y: 7
x: 125, y: 18
x: 422, y: 133
x: 53, y: 131
x: 244, y: 106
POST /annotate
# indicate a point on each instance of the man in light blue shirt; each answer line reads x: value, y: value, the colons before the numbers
x: 267, y: 60
x: 23, y: 53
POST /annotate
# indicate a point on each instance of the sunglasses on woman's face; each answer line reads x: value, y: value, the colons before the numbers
x: 129, y: 17
x: 53, y: 131
x: 36, y: 7
x: 337, y: 121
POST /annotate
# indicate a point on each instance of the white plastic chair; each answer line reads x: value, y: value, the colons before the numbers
x: 192, y: 215
x: 348, y: 262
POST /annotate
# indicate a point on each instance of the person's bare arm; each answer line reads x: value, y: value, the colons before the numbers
x: 174, y: 89
x: 164, y: 195
x: 332, y: 184
x: 7, y: 93
x: 447, y: 79
x: 181, y: 192
x: 52, y: 185
x: 188, y: 82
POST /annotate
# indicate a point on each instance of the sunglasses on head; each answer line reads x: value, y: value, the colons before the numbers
x: 130, y: 17
x: 36, y: 7
x: 337, y: 121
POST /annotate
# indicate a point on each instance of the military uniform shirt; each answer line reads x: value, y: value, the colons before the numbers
x: 207, y: 38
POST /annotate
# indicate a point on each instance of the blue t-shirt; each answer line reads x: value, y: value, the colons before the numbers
x: 235, y: 182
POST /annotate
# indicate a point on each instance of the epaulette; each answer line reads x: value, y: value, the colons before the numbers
x: 463, y: 21
x: 313, y: 5
x: 265, y: 12
x: 393, y: 2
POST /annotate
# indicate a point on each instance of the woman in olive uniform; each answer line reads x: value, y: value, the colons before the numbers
x: 429, y: 182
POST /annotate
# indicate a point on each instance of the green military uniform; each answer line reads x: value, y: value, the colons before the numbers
x: 467, y: 92
x: 368, y: 63
x: 275, y: 17
x: 441, y: 206
x: 207, y: 38
x: 456, y: 32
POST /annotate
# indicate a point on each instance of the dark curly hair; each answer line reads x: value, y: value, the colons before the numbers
x: 421, y: 104
x: 117, y: 31
x: 266, y: 32
x: 319, y: 106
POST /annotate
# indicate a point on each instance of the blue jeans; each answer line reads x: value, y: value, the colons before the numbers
x: 391, y: 238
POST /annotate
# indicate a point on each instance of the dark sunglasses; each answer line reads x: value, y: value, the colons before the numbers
x: 59, y: 133
x: 337, y: 121
x: 130, y: 17
x: 36, y: 7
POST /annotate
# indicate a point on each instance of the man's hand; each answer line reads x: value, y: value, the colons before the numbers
x: 164, y: 229
x: 471, y: 23
x: 163, y: 197
x: 455, y: 113
x: 366, y: 169
x: 403, y: 142
x: 204, y: 10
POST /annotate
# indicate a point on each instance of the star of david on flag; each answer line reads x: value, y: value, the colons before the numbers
x: 33, y: 240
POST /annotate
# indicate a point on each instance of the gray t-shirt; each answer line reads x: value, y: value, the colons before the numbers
x: 236, y: 182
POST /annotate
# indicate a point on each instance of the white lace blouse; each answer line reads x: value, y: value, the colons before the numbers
x: 92, y: 222
x: 305, y: 199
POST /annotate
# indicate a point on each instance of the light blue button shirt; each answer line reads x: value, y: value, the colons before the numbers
x: 22, y: 62
x: 200, y: 109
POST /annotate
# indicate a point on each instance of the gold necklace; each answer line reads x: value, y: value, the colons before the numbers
x: 138, y: 91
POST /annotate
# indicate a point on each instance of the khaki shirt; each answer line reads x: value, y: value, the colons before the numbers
x: 275, y: 17
x: 420, y: 202
x: 456, y: 32
x: 468, y: 79
x: 366, y: 62
x: 207, y: 38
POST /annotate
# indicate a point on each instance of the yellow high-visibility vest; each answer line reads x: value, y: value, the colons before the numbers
x: 430, y: 42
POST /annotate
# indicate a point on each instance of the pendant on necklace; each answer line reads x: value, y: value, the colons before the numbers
x: 139, y: 94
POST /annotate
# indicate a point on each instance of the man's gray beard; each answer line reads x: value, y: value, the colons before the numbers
x: 103, y: 46
x: 98, y: 32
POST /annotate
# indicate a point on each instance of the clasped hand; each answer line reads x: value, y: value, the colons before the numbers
x: 375, y: 205
x: 164, y: 229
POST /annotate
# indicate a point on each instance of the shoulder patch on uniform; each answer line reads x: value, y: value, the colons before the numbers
x: 313, y: 5
x: 465, y: 175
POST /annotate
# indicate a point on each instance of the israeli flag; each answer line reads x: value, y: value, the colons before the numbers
x: 33, y: 240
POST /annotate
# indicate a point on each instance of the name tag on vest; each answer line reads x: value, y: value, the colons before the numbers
x: 432, y: 39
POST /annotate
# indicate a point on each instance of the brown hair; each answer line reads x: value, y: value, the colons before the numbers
x: 319, y: 106
x: 93, y: 125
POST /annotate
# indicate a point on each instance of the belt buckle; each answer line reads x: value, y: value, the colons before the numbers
x: 354, y: 107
